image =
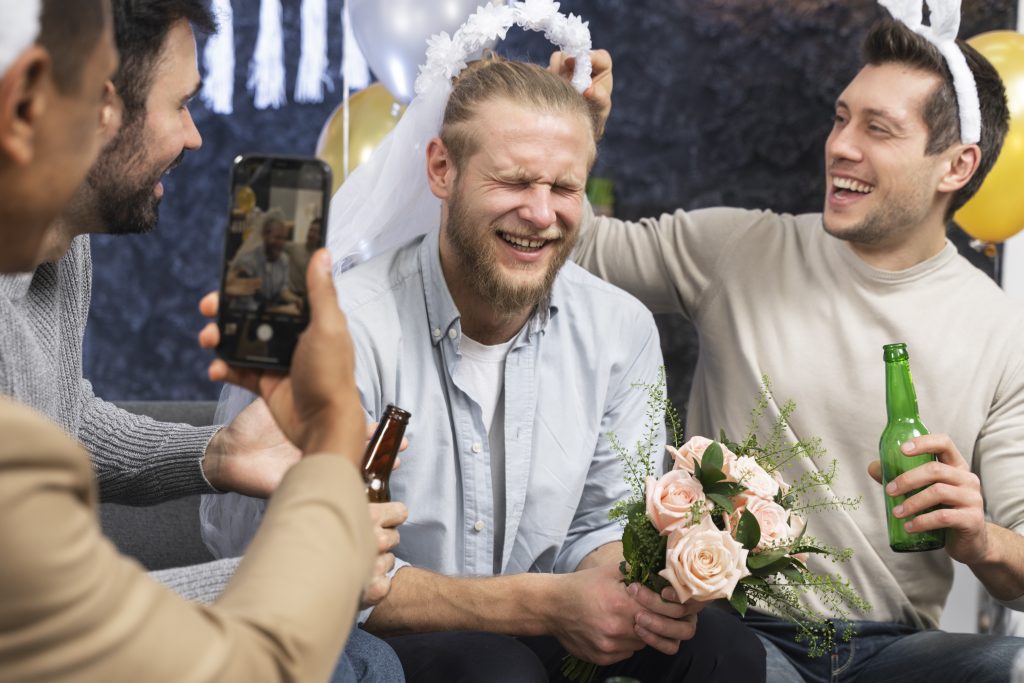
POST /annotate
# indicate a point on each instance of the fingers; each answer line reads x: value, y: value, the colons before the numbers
x: 561, y: 64
x: 380, y: 585
x: 875, y: 470
x: 664, y: 621
x: 209, y: 336
x: 388, y: 515
x: 969, y: 521
x: 939, y: 494
x: 323, y: 299
x: 664, y: 634
x: 941, y: 445
x: 929, y: 474
x: 208, y: 304
x: 653, y: 602
x: 600, y: 63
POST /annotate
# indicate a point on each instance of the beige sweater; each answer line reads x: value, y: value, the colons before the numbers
x: 776, y: 294
x: 73, y: 610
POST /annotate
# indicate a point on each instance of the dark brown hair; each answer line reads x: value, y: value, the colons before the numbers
x: 889, y: 41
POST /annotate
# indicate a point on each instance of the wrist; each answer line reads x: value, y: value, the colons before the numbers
x: 341, y: 431
x: 212, y: 460
x: 543, y: 604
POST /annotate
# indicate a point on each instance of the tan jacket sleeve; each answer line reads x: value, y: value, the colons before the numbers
x: 72, y: 609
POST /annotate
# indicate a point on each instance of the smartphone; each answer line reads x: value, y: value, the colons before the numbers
x: 278, y: 218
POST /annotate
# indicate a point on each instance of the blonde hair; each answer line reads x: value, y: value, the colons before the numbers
x: 493, y: 78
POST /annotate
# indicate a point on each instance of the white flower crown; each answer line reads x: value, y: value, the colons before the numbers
x: 446, y: 56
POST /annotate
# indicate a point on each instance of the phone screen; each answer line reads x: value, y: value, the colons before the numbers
x: 278, y: 219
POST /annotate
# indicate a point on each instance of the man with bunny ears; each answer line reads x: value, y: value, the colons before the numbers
x: 810, y: 300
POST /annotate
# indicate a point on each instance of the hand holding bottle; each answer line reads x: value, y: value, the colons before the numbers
x: 948, y: 482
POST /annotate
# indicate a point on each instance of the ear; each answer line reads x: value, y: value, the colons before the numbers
x: 963, y: 163
x: 24, y: 93
x: 440, y: 169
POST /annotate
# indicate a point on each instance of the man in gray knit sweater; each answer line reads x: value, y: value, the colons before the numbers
x: 139, y: 461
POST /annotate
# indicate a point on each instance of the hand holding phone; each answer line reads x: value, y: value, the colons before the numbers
x: 277, y: 221
x: 316, y: 403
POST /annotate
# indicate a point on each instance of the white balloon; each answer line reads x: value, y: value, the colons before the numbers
x: 393, y: 35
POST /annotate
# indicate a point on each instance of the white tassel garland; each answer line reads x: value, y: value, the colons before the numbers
x: 266, y: 71
x: 219, y: 60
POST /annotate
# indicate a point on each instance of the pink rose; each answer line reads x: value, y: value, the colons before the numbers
x: 704, y: 563
x: 783, y: 486
x: 693, y: 450
x: 773, y: 520
x: 758, y: 482
x: 670, y: 500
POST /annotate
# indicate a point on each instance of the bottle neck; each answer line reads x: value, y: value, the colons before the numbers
x: 900, y: 397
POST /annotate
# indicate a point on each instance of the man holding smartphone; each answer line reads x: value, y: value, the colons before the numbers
x: 138, y: 460
x: 71, y: 608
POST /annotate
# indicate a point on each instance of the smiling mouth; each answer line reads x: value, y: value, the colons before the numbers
x: 523, y: 243
x: 841, y: 186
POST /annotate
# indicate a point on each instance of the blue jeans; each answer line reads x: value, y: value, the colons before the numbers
x: 883, y: 652
x: 367, y: 659
x: 723, y: 651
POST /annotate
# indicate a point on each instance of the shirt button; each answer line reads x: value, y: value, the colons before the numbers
x: 479, y: 526
x: 452, y: 334
x: 437, y: 333
x: 477, y: 447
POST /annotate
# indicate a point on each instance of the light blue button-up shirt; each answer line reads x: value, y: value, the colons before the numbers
x: 568, y: 383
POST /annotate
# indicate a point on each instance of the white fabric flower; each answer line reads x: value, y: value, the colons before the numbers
x: 535, y: 14
x: 489, y: 22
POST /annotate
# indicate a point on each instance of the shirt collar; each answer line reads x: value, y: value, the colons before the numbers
x: 442, y: 315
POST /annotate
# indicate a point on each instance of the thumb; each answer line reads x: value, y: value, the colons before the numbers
x: 875, y: 470
x: 323, y: 299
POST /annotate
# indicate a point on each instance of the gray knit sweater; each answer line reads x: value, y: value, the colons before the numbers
x: 138, y: 461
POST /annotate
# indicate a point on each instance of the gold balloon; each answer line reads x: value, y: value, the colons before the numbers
x: 996, y: 212
x: 372, y: 113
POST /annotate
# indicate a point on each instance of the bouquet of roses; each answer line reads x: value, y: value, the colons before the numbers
x: 724, y: 524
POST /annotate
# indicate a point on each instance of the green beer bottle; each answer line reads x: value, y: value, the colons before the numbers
x: 904, y: 424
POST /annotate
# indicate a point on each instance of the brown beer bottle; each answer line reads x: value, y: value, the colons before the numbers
x: 381, y: 453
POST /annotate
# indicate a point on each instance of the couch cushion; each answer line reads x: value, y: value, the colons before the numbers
x: 164, y: 535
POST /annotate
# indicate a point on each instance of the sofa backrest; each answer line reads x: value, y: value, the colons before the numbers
x: 164, y: 535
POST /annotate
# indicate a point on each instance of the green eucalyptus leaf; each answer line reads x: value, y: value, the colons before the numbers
x: 738, y: 600
x: 722, y: 502
x: 793, y: 574
x: 811, y: 548
x: 748, y: 531
x: 755, y: 581
x: 771, y: 568
x: 766, y: 558
x: 629, y: 542
x: 712, y: 456
x: 725, y: 488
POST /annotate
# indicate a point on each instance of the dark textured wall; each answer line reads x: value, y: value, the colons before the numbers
x: 717, y: 102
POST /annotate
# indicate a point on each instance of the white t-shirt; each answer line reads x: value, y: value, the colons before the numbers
x: 482, y: 375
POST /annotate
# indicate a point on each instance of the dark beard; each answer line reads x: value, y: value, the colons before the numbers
x: 125, y: 204
x: 478, y: 267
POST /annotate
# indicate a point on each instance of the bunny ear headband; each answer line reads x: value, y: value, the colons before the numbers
x: 945, y: 23
x: 386, y: 201
x: 19, y: 28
